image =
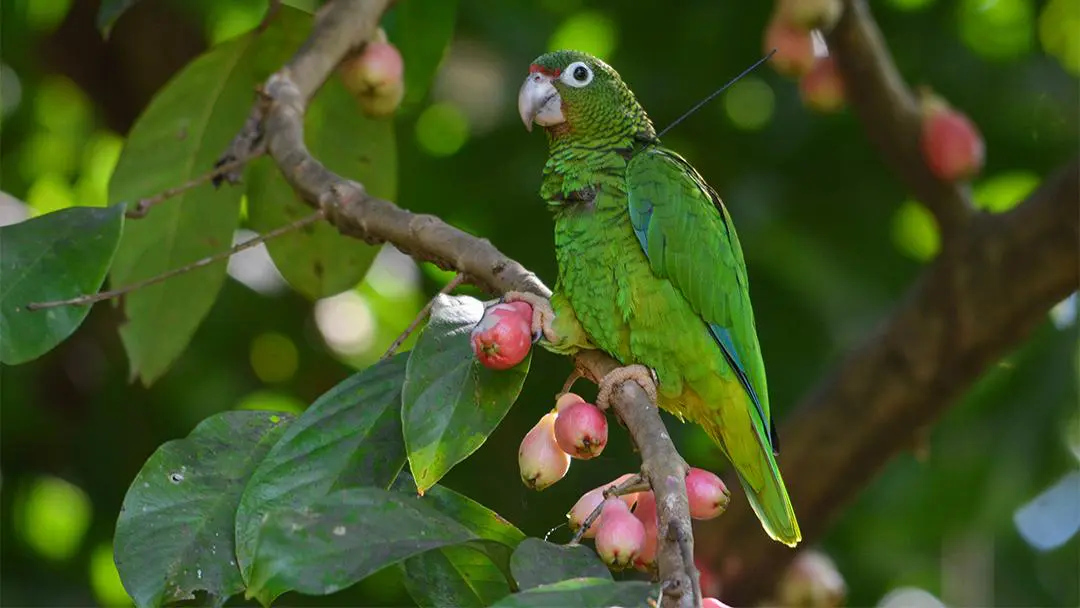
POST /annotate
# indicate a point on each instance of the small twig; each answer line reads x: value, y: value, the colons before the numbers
x: 420, y: 316
x: 680, y: 536
x: 84, y: 300
x: 633, y: 484
x: 570, y: 380
x: 271, y: 12
x: 141, y: 208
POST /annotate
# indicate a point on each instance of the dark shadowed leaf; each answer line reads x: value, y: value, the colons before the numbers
x: 318, y: 261
x: 343, y: 538
x: 451, y: 402
x: 351, y: 436
x: 421, y: 29
x: 537, y: 562
x: 57, y: 256
x: 109, y: 12
x: 179, y: 137
x: 453, y: 577
x: 174, y: 535
x: 583, y: 593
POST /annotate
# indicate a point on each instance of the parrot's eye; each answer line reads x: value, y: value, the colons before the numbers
x: 577, y: 74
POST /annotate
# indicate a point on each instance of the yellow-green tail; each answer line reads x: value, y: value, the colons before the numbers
x: 772, y: 505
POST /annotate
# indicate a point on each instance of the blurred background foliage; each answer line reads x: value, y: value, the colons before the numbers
x: 831, y: 238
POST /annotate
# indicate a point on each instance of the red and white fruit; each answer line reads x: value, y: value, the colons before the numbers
x: 951, y: 144
x: 821, y: 88
x: 712, y: 602
x: 503, y: 336
x: 707, y: 494
x: 540, y: 459
x: 646, y: 514
x: 794, y: 48
x: 375, y: 77
x: 810, y: 14
x: 567, y: 399
x: 581, y: 430
x: 590, y: 500
x: 620, y: 536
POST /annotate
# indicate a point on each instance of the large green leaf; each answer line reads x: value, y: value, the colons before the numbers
x: 454, y: 577
x: 583, y: 593
x: 422, y: 30
x: 451, y: 402
x: 536, y: 562
x: 56, y: 256
x: 180, y: 136
x: 351, y: 436
x: 343, y: 538
x: 174, y: 535
x: 319, y: 261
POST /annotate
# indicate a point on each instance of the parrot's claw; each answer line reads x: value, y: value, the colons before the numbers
x: 644, y: 376
x: 543, y: 314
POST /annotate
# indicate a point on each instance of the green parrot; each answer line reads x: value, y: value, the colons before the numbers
x: 650, y: 271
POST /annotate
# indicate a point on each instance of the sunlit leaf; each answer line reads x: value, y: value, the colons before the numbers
x: 421, y: 29
x: 536, y: 562
x: 451, y: 402
x: 180, y: 136
x: 351, y: 436
x: 56, y: 256
x: 319, y: 261
x: 175, y: 531
x: 343, y: 538
x: 583, y: 593
x: 453, y: 577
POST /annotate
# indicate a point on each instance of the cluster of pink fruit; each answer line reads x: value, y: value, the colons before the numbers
x: 951, y: 144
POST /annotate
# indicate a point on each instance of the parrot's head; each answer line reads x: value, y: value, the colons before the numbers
x: 573, y: 94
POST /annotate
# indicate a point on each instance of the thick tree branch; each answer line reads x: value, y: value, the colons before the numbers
x: 978, y: 300
x: 889, y: 113
x: 277, y: 122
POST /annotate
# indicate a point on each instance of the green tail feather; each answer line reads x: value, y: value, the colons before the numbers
x: 772, y: 505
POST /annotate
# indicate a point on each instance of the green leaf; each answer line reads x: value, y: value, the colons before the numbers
x: 422, y: 30
x: 536, y: 562
x: 109, y: 12
x: 175, y: 531
x: 451, y: 402
x: 583, y: 593
x: 319, y: 261
x: 351, y: 436
x: 343, y: 538
x: 454, y: 577
x: 180, y: 136
x: 57, y: 256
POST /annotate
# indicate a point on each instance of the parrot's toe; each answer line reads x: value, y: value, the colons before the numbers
x: 543, y: 314
x: 644, y: 376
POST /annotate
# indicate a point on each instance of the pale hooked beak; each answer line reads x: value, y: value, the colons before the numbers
x: 539, y: 102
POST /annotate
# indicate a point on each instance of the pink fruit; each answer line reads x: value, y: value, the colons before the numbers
x: 821, y: 88
x: 521, y: 309
x: 646, y: 514
x: 621, y: 535
x: 567, y: 399
x: 794, y: 48
x: 710, y: 584
x: 581, y: 430
x: 811, y: 580
x: 810, y: 14
x: 374, y: 77
x: 951, y: 144
x: 712, y: 602
x: 707, y: 494
x: 590, y: 500
x: 540, y: 459
x: 502, y: 338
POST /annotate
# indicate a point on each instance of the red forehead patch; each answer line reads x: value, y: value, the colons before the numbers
x: 534, y: 68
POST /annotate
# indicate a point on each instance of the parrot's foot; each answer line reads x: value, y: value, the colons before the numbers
x: 638, y: 373
x: 543, y: 314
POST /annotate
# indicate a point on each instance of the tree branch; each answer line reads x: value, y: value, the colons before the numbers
x: 277, y: 121
x: 973, y: 304
x: 890, y: 115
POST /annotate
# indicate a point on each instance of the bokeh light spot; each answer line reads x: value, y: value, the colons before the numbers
x: 269, y: 401
x: 1002, y: 192
x: 589, y: 31
x: 99, y: 160
x: 915, y: 232
x: 48, y: 152
x: 49, y: 193
x: 52, y: 516
x: 45, y: 15
x: 274, y: 357
x: 997, y: 29
x: 61, y: 106
x: 1059, y: 25
x: 442, y: 129
x: 911, y: 5
x: 749, y: 103
x: 104, y: 578
x: 346, y: 323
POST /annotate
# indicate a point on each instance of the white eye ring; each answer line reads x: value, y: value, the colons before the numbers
x: 572, y: 72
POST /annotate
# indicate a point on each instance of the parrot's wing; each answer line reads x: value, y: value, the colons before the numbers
x: 689, y: 239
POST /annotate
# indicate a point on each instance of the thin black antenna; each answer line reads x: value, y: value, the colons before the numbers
x: 715, y: 93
